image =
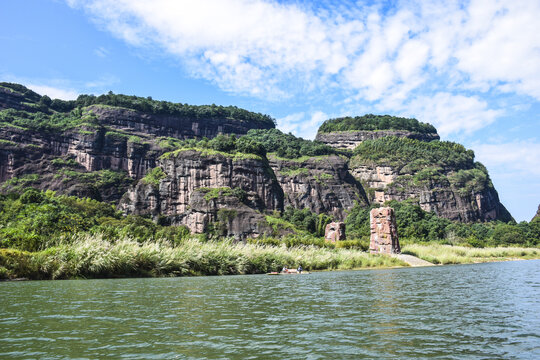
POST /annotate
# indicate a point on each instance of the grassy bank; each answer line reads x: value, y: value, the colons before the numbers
x: 447, y: 254
x: 94, y: 257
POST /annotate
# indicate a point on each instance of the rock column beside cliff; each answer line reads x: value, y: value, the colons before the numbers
x: 384, y: 238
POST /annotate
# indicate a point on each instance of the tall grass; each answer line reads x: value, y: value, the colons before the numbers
x: 91, y: 256
x: 448, y: 254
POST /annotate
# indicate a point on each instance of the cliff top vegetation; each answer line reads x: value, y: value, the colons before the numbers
x: 255, y: 142
x: 372, y: 122
x: 144, y: 104
x: 400, y: 152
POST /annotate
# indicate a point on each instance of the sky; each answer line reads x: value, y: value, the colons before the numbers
x: 470, y: 68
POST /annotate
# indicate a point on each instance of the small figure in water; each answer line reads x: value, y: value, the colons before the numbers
x: 299, y: 269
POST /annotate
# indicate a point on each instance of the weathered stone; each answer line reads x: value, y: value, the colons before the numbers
x: 537, y: 214
x: 335, y: 231
x: 351, y: 139
x: 384, y: 183
x: 384, y: 237
x: 321, y: 184
x: 191, y: 175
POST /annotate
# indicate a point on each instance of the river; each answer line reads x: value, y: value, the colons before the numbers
x: 481, y: 311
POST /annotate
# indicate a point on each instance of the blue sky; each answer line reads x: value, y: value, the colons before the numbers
x: 470, y: 68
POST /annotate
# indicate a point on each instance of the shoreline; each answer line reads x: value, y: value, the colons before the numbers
x: 95, y: 258
x: 313, y: 271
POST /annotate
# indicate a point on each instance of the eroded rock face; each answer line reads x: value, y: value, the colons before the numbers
x: 114, y: 138
x: 335, y: 231
x: 322, y: 184
x: 351, y: 139
x: 438, y: 195
x: 537, y: 214
x: 168, y: 125
x: 197, y: 190
x: 384, y: 237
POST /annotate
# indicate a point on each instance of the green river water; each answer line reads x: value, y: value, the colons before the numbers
x: 482, y: 311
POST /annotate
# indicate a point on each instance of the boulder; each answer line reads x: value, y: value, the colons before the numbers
x: 335, y: 231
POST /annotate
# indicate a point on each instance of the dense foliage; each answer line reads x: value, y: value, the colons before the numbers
x: 376, y: 122
x: 415, y: 154
x: 36, y: 220
x: 287, y: 145
x: 307, y: 220
x: 258, y: 142
x: 417, y: 225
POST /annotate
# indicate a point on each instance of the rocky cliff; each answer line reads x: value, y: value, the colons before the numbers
x: 154, y: 159
x: 438, y: 194
x: 199, y: 188
x: 322, y: 184
x: 351, y: 139
x: 71, y: 151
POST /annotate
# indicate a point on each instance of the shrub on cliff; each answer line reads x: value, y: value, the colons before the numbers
x: 37, y: 220
x: 287, y: 145
x: 400, y: 152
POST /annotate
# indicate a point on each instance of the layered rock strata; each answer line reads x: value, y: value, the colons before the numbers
x: 351, y: 139
x: 198, y: 187
x: 438, y: 195
x: 168, y: 125
x: 322, y: 184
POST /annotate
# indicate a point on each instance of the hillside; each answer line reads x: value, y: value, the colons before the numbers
x: 440, y: 176
x: 224, y: 171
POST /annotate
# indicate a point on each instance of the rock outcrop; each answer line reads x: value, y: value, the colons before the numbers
x: 437, y: 194
x: 322, y: 184
x: 198, y: 188
x: 351, y: 139
x: 384, y: 237
x: 335, y: 231
x: 169, y: 125
x: 90, y: 141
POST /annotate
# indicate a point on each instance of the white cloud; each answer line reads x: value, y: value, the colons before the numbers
x: 511, y: 158
x: 452, y: 113
x: 54, y: 92
x: 101, y: 52
x: 306, y: 125
x: 423, y: 56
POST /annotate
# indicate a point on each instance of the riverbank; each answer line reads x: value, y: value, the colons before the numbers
x: 448, y: 254
x: 94, y: 257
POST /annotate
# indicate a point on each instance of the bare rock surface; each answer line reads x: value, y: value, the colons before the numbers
x: 199, y: 188
x: 322, y: 184
x: 335, y: 231
x: 384, y: 237
x: 351, y: 139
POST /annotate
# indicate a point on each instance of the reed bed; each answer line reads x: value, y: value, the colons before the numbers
x: 92, y: 256
x: 448, y: 254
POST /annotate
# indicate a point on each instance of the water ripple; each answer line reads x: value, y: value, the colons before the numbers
x: 452, y: 312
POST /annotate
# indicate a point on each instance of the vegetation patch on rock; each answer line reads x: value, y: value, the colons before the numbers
x: 372, y: 122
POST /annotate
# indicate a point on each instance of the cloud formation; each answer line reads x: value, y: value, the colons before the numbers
x: 432, y: 61
x: 54, y: 92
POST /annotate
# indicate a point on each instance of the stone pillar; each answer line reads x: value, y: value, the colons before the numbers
x: 334, y: 231
x: 384, y: 238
